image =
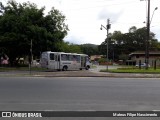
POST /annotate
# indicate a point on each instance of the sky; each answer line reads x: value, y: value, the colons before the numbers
x: 85, y: 17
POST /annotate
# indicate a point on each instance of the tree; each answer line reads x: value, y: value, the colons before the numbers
x: 115, y: 44
x: 22, y: 23
x: 132, y: 29
x: 90, y: 49
x: 68, y: 47
x: 122, y: 44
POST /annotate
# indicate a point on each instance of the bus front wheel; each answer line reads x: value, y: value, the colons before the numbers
x: 65, y: 68
x: 87, y: 68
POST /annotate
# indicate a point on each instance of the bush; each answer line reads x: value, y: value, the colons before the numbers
x: 102, y: 60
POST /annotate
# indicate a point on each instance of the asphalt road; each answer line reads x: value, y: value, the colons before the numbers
x: 79, y: 93
x: 58, y: 93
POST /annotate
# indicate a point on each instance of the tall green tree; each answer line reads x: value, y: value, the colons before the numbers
x: 69, y: 47
x: 90, y: 49
x: 121, y: 44
x: 22, y: 23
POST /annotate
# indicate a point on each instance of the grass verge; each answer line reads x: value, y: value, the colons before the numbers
x: 4, y: 69
x: 133, y: 70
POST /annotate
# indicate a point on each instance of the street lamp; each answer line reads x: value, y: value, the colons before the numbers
x: 148, y: 32
x: 108, y: 26
x: 153, y: 14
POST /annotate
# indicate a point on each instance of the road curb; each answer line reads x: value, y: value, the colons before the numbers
x: 104, y: 76
x: 78, y: 74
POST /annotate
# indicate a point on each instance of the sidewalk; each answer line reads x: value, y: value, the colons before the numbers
x: 129, y: 75
x: 83, y: 73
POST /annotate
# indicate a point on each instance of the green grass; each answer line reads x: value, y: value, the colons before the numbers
x: 133, y: 70
x: 20, y: 69
x: 93, y: 66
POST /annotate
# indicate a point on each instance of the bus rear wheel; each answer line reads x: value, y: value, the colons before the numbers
x: 65, y: 68
x: 87, y: 68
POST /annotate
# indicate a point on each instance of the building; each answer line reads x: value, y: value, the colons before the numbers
x: 95, y: 57
x: 135, y: 57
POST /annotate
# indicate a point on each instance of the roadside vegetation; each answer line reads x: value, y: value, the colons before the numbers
x: 6, y: 69
x: 26, y: 31
x: 132, y: 70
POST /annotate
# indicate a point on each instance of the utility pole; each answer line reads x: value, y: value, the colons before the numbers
x: 108, y: 26
x: 31, y: 58
x: 148, y: 35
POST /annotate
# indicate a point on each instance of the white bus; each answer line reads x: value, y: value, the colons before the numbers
x: 64, y: 61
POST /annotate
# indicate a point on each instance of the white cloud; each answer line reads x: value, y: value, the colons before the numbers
x: 106, y: 13
x: 84, y: 17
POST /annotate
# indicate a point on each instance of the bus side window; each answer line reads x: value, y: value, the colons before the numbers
x: 51, y: 56
x: 78, y: 58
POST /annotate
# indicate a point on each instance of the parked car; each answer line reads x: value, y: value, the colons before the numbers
x: 142, y: 65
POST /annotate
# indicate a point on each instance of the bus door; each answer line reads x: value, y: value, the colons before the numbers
x: 57, y: 61
x: 77, y: 62
x: 83, y: 61
x: 74, y: 62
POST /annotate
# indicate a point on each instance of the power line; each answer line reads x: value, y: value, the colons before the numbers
x: 115, y: 4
